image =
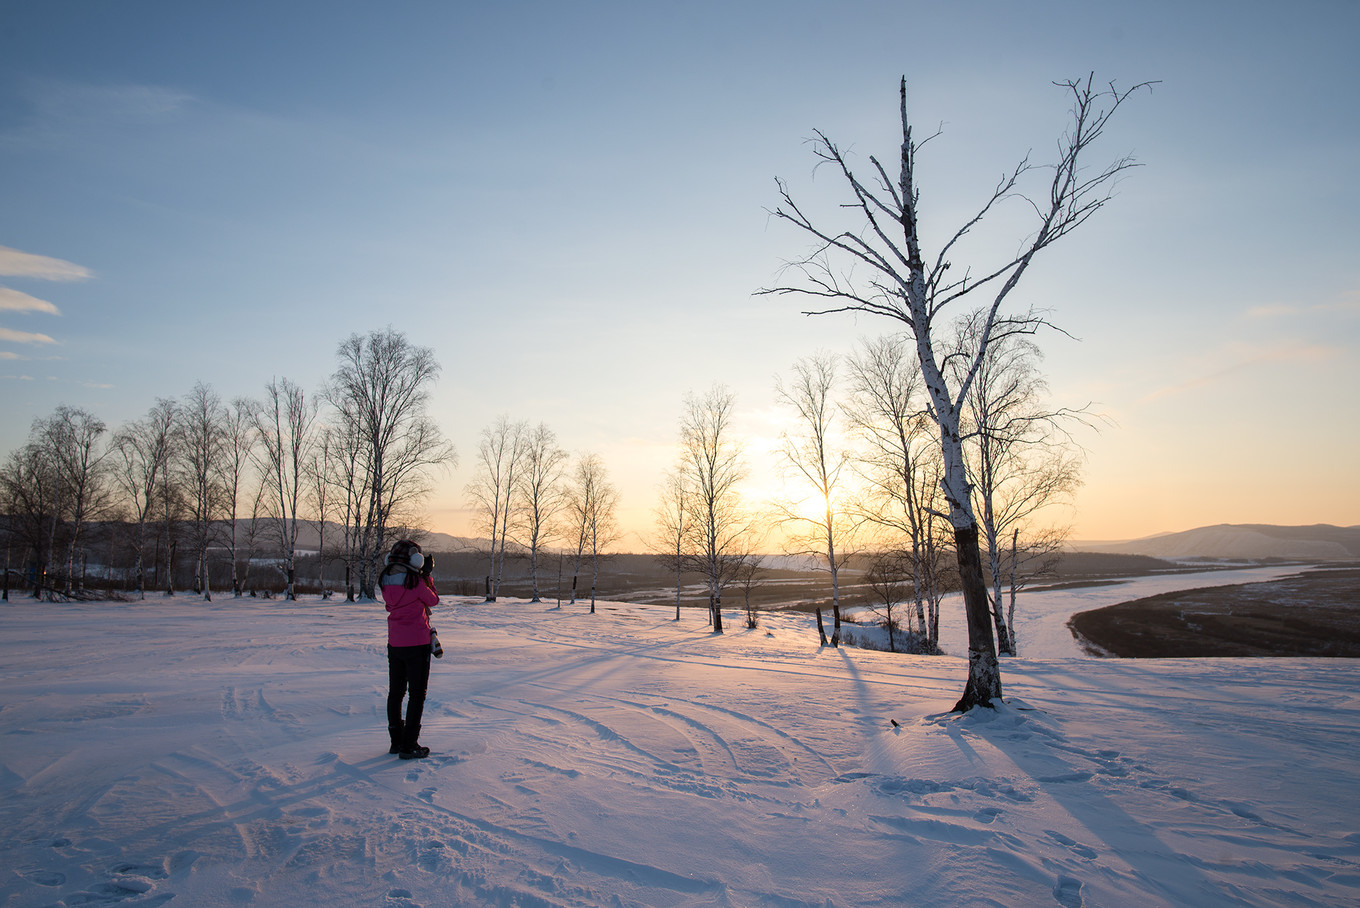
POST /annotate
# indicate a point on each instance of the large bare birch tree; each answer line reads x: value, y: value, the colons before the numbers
x: 898, y: 281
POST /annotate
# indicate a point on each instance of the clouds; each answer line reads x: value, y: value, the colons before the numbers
x: 24, y: 337
x: 17, y: 263
x: 14, y: 301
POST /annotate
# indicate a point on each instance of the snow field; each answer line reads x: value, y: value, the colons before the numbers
x: 234, y: 753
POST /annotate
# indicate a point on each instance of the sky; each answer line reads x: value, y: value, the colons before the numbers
x: 570, y: 204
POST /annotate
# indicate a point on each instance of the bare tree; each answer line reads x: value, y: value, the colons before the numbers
x: 171, y: 503
x: 673, y: 528
x: 71, y: 436
x: 899, y: 463
x: 285, y: 425
x: 383, y: 385
x: 1022, y: 460
x: 32, y: 498
x: 258, y: 525
x: 815, y: 459
x: 591, y: 502
x: 713, y: 468
x: 202, y: 449
x: 1037, y: 557
x: 53, y: 487
x: 142, y: 452
x: 345, y: 479
x: 238, y: 444
x: 602, y: 528
x: 494, y: 490
x: 903, y: 286
x: 325, y: 462
x: 541, y: 495
x: 7, y: 527
x: 749, y: 574
x: 889, y: 576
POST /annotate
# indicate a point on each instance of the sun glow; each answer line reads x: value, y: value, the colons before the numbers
x: 812, y: 508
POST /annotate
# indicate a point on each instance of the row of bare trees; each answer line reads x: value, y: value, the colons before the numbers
x: 227, y: 482
x: 530, y: 496
x: 862, y: 481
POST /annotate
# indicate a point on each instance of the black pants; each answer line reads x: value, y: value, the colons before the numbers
x: 408, y: 669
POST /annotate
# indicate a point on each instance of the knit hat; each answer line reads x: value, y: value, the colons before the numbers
x: 406, y: 552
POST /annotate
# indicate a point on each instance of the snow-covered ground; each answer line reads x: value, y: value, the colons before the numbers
x: 234, y: 753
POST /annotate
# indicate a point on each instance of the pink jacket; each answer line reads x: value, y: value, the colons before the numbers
x: 408, y: 619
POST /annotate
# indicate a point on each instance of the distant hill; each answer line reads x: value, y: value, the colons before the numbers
x: 1320, y: 542
x: 429, y: 541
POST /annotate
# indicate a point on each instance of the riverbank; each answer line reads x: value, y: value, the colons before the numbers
x: 1314, y: 613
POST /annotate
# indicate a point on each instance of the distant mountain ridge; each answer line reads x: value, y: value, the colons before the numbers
x: 1319, y: 542
x: 430, y: 541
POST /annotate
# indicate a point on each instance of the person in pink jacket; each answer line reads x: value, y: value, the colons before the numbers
x: 409, y: 594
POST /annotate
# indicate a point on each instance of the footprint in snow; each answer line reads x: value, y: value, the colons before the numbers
x: 150, y: 871
x: 44, y: 877
x: 1072, y: 845
x: 1067, y: 892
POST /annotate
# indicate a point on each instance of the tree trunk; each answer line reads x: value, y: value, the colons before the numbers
x: 170, y: 566
x: 594, y: 580
x: 533, y: 569
x: 1015, y: 567
x: 835, y: 575
x: 984, y: 671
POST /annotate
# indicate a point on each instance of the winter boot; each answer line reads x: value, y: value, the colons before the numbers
x: 398, y: 735
x: 410, y: 750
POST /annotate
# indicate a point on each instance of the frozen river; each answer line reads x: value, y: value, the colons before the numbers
x: 1041, y: 616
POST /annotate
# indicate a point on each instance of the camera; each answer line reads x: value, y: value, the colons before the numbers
x: 427, y: 566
